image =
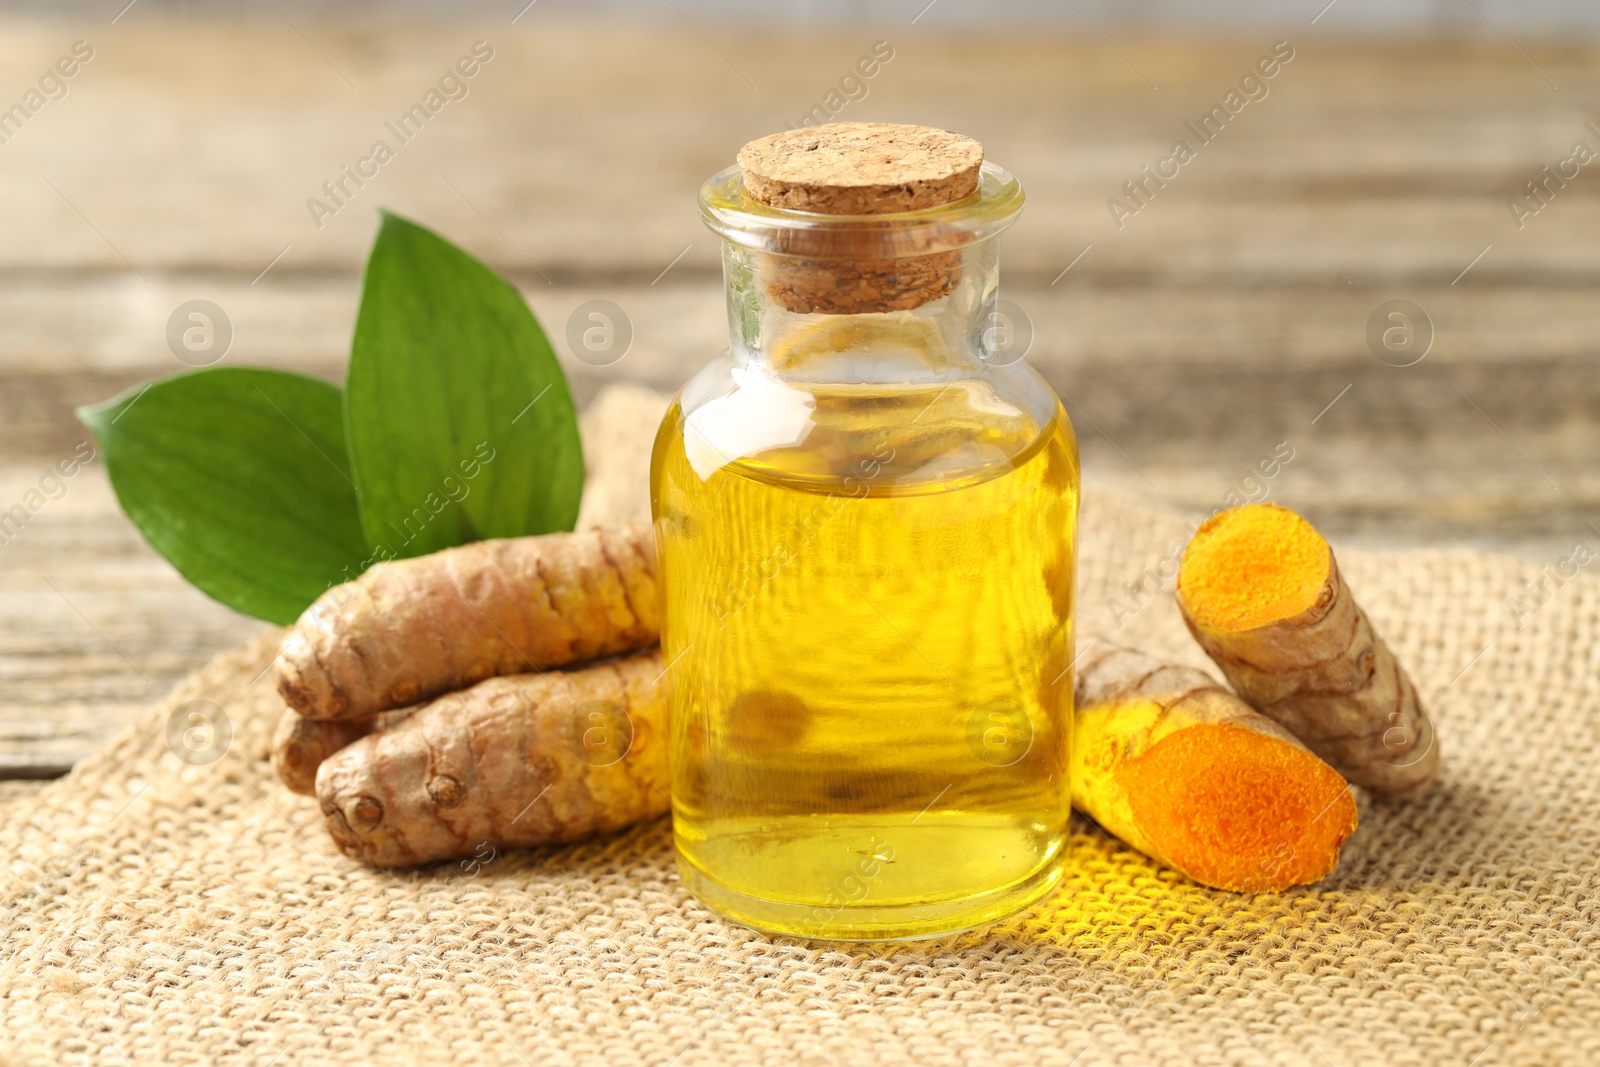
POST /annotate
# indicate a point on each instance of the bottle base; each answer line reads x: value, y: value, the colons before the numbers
x: 906, y: 922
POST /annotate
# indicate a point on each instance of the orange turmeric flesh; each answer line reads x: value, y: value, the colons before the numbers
x: 1179, y: 768
x: 1252, y: 566
x: 1262, y: 593
x: 1237, y: 809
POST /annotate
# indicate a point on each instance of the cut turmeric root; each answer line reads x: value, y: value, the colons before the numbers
x: 1187, y: 773
x: 509, y: 763
x: 1262, y: 593
x: 411, y: 629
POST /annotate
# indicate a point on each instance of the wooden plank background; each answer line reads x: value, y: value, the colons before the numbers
x: 1223, y: 318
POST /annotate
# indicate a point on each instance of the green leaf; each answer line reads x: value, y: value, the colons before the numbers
x: 459, y: 419
x: 238, y: 477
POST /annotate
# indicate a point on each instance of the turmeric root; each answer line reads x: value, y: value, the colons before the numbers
x: 1187, y: 773
x: 1262, y: 593
x: 411, y: 629
x: 300, y: 745
x: 512, y: 762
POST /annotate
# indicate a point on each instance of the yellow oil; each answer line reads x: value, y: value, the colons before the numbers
x: 869, y: 635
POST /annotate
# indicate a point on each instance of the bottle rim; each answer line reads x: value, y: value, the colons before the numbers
x: 733, y: 214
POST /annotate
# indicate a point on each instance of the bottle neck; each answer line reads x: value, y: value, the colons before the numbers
x: 810, y: 318
x: 874, y: 298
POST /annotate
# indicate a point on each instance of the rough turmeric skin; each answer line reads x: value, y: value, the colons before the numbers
x: 411, y: 629
x: 300, y: 745
x: 509, y: 763
x: 1187, y: 773
x: 1262, y: 593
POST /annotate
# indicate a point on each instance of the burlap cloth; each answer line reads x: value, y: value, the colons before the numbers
x: 162, y: 912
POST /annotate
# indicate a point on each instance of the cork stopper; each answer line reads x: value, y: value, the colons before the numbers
x: 861, y: 169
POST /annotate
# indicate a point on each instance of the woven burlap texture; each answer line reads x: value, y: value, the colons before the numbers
x: 160, y: 912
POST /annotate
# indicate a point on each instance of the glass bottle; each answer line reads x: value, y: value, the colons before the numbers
x: 866, y: 513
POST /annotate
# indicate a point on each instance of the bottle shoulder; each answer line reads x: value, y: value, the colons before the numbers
x: 935, y: 432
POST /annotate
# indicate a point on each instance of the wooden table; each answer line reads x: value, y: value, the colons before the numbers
x: 1227, y: 315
